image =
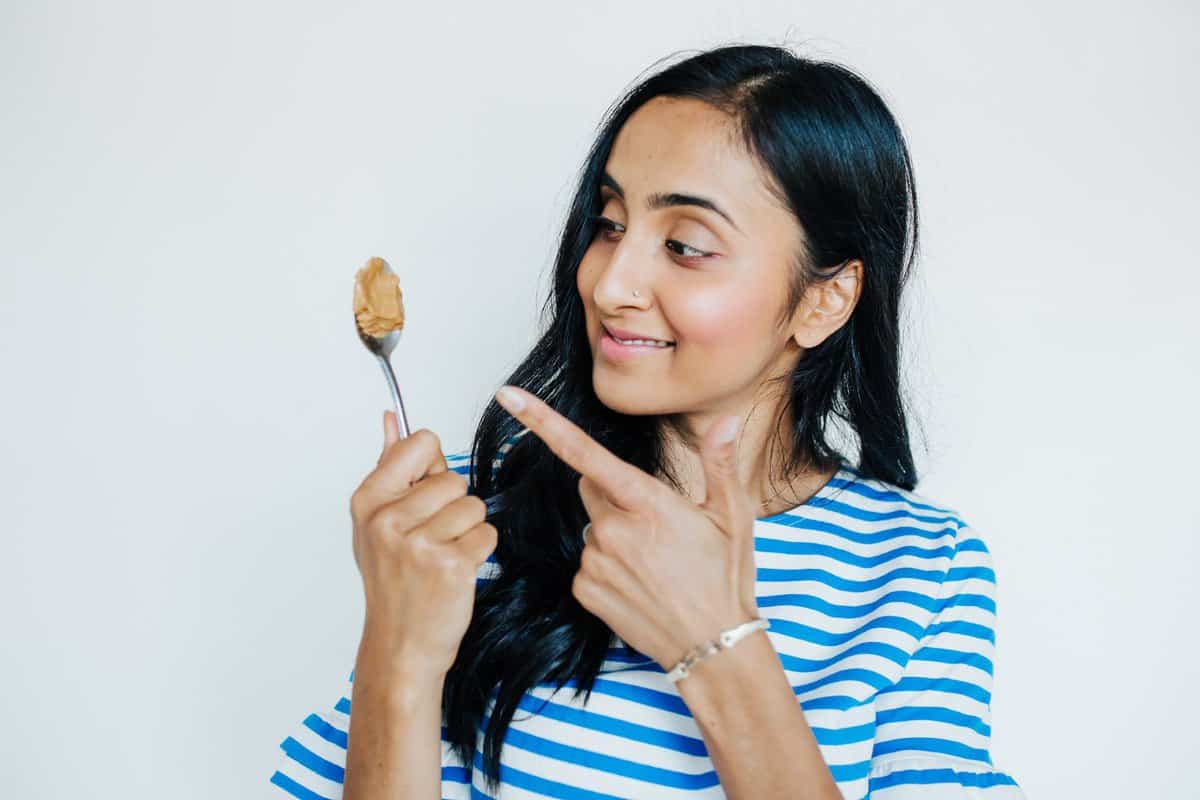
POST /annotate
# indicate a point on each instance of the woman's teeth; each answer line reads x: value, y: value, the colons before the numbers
x: 651, y: 342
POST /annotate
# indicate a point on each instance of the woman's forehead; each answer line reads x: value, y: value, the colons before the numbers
x: 685, y: 146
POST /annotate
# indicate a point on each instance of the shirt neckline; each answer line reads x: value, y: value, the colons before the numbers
x: 844, y: 476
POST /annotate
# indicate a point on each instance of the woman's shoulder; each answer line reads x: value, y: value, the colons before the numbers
x: 876, y: 534
x: 938, y: 537
x: 876, y: 502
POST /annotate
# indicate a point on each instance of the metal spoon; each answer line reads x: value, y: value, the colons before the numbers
x: 381, y: 347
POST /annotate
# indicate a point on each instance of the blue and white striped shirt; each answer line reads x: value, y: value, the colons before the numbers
x: 882, y: 609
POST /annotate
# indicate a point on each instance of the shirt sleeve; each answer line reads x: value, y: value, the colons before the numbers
x: 933, y: 727
x: 311, y: 761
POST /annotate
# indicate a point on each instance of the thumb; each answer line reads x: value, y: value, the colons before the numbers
x: 718, y: 450
x: 391, y: 431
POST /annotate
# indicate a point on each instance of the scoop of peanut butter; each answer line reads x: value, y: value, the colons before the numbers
x: 378, y: 303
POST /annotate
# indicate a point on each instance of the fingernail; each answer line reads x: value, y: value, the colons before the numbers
x: 510, y: 399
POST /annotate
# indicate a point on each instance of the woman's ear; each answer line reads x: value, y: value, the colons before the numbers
x: 827, y: 305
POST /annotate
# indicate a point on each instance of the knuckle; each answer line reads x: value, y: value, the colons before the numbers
x: 580, y: 586
x: 428, y: 438
x: 450, y: 568
x: 601, y: 535
x: 371, y: 520
x: 419, y: 550
x: 590, y: 561
x: 478, y: 507
x: 383, y: 523
x: 455, y: 483
x: 463, y: 511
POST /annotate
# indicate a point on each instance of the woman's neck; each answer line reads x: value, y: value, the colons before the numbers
x: 763, y: 439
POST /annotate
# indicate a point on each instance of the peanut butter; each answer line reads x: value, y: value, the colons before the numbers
x: 378, y: 302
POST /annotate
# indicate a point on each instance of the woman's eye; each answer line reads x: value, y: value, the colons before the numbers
x: 604, y: 224
x: 694, y: 254
x: 607, y: 227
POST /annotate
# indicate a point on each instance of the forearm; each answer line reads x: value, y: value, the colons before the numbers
x: 753, y: 727
x: 394, y: 745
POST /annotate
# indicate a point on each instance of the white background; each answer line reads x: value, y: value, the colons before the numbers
x: 188, y: 189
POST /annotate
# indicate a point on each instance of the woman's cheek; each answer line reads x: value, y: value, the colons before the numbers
x: 719, y: 319
x: 583, y: 280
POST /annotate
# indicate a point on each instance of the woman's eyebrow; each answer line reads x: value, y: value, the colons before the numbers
x: 667, y: 199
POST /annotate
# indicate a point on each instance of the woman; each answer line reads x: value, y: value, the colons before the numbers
x: 727, y: 287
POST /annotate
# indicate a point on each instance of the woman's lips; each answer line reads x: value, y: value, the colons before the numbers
x: 612, y: 349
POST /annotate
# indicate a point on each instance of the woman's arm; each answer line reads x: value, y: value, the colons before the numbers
x: 394, y: 745
x: 755, y: 730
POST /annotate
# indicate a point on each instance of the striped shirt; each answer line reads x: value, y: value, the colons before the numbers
x: 882, y: 609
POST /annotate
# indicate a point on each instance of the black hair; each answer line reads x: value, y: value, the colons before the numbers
x: 832, y: 153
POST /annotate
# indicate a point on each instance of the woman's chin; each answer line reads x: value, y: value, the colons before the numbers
x: 627, y: 394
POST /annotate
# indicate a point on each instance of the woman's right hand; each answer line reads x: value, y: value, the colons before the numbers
x: 419, y: 541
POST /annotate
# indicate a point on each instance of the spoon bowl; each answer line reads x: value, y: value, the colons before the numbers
x: 381, y: 347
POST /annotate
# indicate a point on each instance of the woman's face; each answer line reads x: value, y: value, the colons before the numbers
x: 712, y: 287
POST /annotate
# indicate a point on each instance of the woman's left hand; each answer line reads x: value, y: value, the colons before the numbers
x: 664, y: 572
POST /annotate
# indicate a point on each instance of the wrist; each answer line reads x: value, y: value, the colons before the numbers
x: 726, y: 639
x: 403, y: 688
x: 725, y: 678
x: 398, y: 663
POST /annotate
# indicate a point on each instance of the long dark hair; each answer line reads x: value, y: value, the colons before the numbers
x: 839, y: 162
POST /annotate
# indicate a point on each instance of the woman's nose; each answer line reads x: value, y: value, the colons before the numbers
x: 624, y: 281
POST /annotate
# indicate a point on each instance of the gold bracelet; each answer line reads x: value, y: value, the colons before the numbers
x: 725, y: 640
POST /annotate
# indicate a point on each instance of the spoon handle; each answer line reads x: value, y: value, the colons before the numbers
x: 401, y: 418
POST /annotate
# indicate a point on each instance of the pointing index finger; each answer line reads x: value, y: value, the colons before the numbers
x: 622, y: 481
